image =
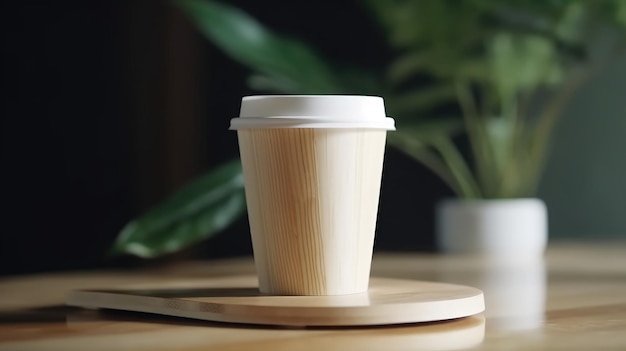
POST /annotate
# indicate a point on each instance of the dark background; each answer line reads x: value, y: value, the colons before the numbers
x: 109, y: 106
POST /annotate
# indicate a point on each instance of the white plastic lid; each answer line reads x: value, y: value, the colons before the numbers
x: 312, y: 111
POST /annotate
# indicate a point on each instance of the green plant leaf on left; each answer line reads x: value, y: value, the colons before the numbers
x: 198, y: 211
x: 280, y: 63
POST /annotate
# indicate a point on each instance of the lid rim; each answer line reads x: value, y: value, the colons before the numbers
x: 312, y: 117
x: 353, y: 106
x: 386, y: 123
x: 301, y: 96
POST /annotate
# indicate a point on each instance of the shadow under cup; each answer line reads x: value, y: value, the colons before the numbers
x: 312, y: 194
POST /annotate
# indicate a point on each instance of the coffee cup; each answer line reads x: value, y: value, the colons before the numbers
x: 312, y: 166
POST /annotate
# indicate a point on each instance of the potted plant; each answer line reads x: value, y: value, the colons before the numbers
x: 506, y: 68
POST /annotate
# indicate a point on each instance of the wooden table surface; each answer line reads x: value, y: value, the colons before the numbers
x: 574, y: 299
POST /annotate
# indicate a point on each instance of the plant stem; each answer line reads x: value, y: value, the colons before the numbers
x: 429, y: 160
x: 550, y: 115
x: 421, y: 99
x: 457, y: 165
x: 508, y: 163
x: 478, y: 138
x: 543, y: 131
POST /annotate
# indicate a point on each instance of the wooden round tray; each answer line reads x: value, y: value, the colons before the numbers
x: 238, y: 300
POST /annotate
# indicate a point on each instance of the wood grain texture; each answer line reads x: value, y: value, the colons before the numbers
x: 582, y: 300
x: 388, y: 301
x: 312, y: 199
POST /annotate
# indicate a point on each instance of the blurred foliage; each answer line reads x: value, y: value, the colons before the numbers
x: 495, y: 59
x: 508, y: 66
x: 279, y: 63
x: 199, y: 210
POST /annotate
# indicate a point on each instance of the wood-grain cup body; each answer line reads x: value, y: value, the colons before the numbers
x: 312, y: 198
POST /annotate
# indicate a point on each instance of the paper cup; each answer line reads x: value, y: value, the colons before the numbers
x: 312, y: 167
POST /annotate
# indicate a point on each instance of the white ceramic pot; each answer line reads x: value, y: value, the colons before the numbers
x: 506, y: 228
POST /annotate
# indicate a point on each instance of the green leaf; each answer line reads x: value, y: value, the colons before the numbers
x: 420, y: 100
x: 198, y: 211
x: 271, y: 84
x: 295, y: 66
x: 417, y: 141
x: 406, y: 66
x: 427, y: 130
x: 522, y: 64
x: 425, y: 155
x: 620, y: 12
x: 444, y: 26
x: 500, y: 132
x: 451, y: 156
x: 571, y: 27
x: 359, y: 81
